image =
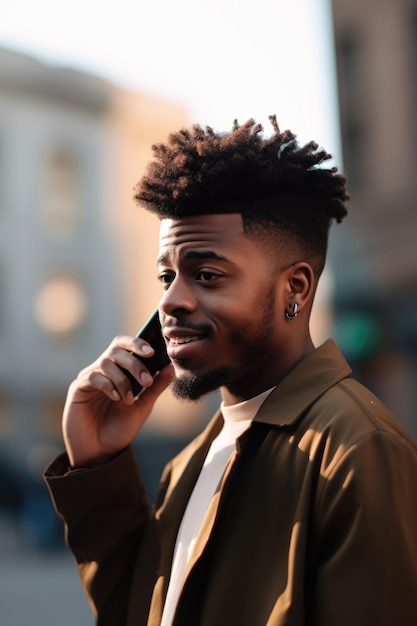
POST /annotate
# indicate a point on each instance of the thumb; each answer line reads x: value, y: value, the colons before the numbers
x: 160, y: 383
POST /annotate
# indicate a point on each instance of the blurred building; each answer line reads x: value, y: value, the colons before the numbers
x: 375, y: 252
x: 77, y: 257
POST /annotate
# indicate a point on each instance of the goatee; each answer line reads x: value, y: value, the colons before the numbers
x: 191, y: 387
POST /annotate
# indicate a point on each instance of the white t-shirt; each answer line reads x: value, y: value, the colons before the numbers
x: 237, y: 419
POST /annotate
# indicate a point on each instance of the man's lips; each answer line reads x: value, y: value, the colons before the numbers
x: 179, y: 339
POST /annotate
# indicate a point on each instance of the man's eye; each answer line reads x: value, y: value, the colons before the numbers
x: 206, y: 276
x: 165, y: 279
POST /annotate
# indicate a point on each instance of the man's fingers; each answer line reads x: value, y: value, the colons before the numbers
x: 160, y: 382
x: 106, y: 375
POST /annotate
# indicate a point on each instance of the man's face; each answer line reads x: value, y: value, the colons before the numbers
x: 218, y: 311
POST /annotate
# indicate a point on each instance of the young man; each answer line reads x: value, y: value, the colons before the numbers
x: 297, y: 505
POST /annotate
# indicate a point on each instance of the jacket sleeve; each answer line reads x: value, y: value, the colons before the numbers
x: 366, y: 555
x: 106, y: 512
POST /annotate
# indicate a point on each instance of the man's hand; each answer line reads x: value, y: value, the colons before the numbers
x: 101, y: 416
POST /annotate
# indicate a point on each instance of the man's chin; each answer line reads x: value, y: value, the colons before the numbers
x: 192, y: 387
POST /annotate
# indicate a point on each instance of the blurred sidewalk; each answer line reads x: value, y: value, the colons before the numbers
x: 36, y: 588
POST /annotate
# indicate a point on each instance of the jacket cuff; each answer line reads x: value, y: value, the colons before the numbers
x: 84, y: 487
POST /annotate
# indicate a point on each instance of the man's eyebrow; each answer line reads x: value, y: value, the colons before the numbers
x: 204, y: 254
x: 164, y: 259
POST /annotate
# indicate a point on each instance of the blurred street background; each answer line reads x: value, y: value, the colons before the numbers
x: 38, y: 588
x: 85, y: 90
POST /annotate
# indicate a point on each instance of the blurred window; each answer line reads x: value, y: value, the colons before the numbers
x: 7, y: 415
x: 1, y: 176
x: 62, y: 198
x: 51, y: 414
x: 350, y: 62
x: 2, y: 298
x: 413, y: 65
x: 61, y: 304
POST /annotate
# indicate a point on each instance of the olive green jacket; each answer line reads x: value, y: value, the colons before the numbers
x: 314, y: 522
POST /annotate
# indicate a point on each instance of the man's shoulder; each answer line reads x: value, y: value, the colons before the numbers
x: 349, y: 412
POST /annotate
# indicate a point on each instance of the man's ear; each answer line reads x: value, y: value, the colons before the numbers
x: 300, y: 287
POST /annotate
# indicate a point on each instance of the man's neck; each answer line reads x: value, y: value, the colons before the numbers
x: 235, y: 393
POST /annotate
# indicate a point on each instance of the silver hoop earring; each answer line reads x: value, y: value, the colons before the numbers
x: 293, y: 315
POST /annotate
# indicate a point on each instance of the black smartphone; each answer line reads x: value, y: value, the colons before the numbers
x: 151, y: 332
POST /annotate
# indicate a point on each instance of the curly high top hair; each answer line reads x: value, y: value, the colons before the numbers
x: 271, y: 182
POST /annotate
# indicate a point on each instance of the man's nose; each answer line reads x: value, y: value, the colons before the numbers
x: 178, y: 298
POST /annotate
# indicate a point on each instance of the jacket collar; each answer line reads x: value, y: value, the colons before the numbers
x: 299, y: 389
x: 303, y: 385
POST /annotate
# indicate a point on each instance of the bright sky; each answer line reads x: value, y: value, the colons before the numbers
x: 222, y: 59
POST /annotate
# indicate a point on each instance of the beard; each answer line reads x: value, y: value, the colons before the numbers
x: 195, y: 387
x: 249, y: 350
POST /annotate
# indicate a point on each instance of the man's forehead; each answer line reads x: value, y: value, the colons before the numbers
x: 200, y: 227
